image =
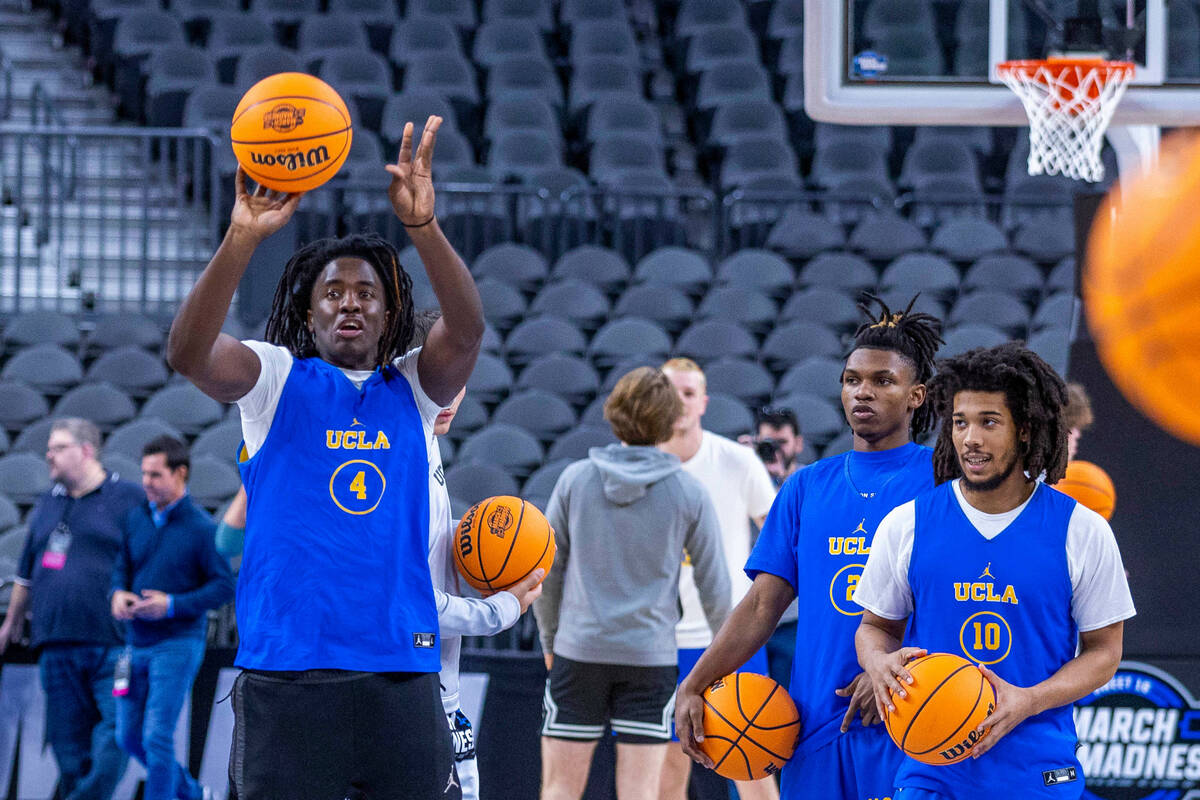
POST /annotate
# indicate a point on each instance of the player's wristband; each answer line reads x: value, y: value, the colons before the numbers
x: 432, y: 217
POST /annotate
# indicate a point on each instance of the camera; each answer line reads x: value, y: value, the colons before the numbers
x: 768, y: 450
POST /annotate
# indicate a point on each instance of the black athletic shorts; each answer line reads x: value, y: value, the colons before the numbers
x: 583, y: 700
x: 332, y: 734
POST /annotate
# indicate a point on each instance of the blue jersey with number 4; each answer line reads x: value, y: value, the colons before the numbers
x: 334, y: 573
x: 817, y: 537
x: 1004, y: 602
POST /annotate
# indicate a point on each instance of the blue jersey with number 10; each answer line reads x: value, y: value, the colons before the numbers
x: 334, y: 573
x: 817, y: 537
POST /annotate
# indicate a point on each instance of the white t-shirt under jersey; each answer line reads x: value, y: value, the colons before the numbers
x: 741, y: 490
x: 258, y: 405
x: 1099, y: 590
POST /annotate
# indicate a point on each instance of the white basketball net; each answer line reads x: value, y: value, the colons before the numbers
x: 1069, y: 104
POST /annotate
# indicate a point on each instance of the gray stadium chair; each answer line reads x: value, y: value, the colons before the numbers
x: 732, y: 83
x: 760, y: 269
x: 874, y: 138
x: 415, y: 38
x: 447, y: 73
x: 490, y: 380
x: 795, y: 341
x: 520, y: 114
x: 598, y: 266
x: 446, y: 450
x: 576, y: 12
x: 742, y: 378
x: 716, y: 46
x: 711, y: 339
x: 610, y: 37
x: 33, y: 438
x: 570, y: 377
x: 506, y: 446
x: 129, y: 439
x: 747, y: 119
x: 750, y: 159
x: 514, y: 151
x: 1004, y: 272
x: 515, y: 264
x: 263, y: 61
x: 46, y: 367
x: 624, y: 116
x: 594, y: 413
x: 5, y: 441
x: 102, y: 403
x: 1062, y: 277
x: 524, y: 77
x: 24, y: 477
x: 10, y: 517
x: 625, y: 338
x: 801, y: 234
x: 360, y: 74
x: 786, y: 19
x: 459, y: 12
x: 579, y: 300
x: 727, y: 416
x: 841, y: 161
x: 130, y: 368
x: 498, y: 39
x: 932, y: 160
x: 962, y: 338
x: 1054, y: 346
x: 997, y: 308
x: 921, y: 272
x: 185, y: 407
x: 221, y: 440
x: 503, y: 305
x: 791, y: 56
x: 678, y: 267
x: 820, y: 419
x: 543, y: 335
x: 471, y: 416
x: 40, y: 327
x: 696, y: 16
x: 819, y: 375
x: 122, y: 330
x: 1059, y: 310
x: 233, y: 35
x: 543, y: 414
x: 749, y: 308
x: 1046, y: 239
x: 839, y: 270
x: 213, y: 481
x: 575, y: 444
x: 614, y: 159
x: 415, y: 106
x: 538, y: 13
x: 622, y: 368
x: 20, y: 404
x: 475, y: 482
x: 171, y: 75
x: 123, y: 467
x: 319, y: 35
x: 540, y: 485
x: 831, y: 307
x: 968, y: 238
x: 664, y: 305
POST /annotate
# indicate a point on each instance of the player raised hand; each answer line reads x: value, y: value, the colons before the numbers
x: 262, y: 213
x: 1014, y: 705
x: 887, y: 673
x: 411, y: 190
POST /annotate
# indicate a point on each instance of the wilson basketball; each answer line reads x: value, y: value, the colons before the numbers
x: 500, y: 541
x: 1091, y: 486
x: 291, y: 132
x: 1140, y: 287
x: 948, y: 698
x: 751, y: 726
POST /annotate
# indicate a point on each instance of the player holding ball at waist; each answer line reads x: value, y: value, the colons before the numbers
x: 338, y: 626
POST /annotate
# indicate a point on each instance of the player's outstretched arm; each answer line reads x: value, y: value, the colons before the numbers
x: 220, y: 365
x: 877, y: 641
x: 453, y: 343
x: 499, y: 611
x: 1099, y: 656
x: 747, y: 629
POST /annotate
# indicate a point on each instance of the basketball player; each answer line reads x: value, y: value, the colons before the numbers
x: 460, y: 616
x: 813, y: 548
x: 995, y: 565
x: 741, y: 491
x: 336, y: 613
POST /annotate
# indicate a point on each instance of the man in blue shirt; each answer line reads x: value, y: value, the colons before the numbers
x: 64, y: 576
x: 813, y: 548
x: 336, y: 615
x: 168, y: 574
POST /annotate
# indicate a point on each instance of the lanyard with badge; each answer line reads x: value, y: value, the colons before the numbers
x: 55, y: 554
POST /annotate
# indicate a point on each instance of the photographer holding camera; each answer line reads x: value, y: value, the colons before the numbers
x: 777, y: 441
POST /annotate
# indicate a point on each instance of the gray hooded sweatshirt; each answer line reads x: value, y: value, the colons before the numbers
x: 623, y: 519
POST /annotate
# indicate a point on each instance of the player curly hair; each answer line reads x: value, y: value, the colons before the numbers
x: 287, y: 326
x: 915, y: 335
x: 1035, y: 395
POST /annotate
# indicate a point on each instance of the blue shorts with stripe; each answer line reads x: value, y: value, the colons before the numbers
x: 858, y: 765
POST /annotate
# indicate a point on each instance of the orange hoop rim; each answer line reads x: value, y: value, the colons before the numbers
x: 1108, y: 69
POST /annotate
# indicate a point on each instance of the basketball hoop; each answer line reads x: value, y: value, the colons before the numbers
x: 1070, y: 102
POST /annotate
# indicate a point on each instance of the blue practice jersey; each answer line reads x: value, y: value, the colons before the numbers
x: 817, y: 537
x: 1004, y: 602
x: 334, y: 573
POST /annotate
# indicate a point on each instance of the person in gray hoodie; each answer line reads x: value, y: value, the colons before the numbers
x: 622, y: 519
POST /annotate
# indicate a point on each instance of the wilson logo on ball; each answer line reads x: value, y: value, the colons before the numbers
x: 283, y: 118
x: 499, y: 521
x: 294, y: 160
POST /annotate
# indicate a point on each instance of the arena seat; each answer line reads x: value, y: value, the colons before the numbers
x: 102, y: 403
x: 233, y: 35
x: 490, y: 380
x: 10, y: 517
x: 185, y: 407
x: 221, y: 439
x: 543, y: 414
x: 540, y: 485
x: 609, y: 37
x: 33, y: 438
x: 506, y: 446
x: 599, y: 266
x: 621, y: 339
x: 539, y: 13
x: 1056, y: 311
x: 130, y: 368
x: 757, y: 268
x: 570, y: 377
x: 820, y: 419
x: 519, y: 77
x: 1005, y: 272
x: 542, y: 335
x: 46, y: 367
x: 747, y: 119
x: 459, y: 12
x: 20, y: 404
x: 742, y: 378
x: 793, y: 342
x: 171, y: 74
x: 39, y: 327
x: 962, y: 338
x: 997, y: 308
x: 727, y: 416
x: 922, y: 272
x: 129, y: 439
x: 885, y: 236
x: 502, y: 38
x: 818, y: 375
x: 24, y: 477
x: 716, y: 46
x: 477, y: 481
x: 581, y: 300
x: 711, y: 339
x: 696, y: 16
x: 839, y: 270
x: 968, y: 238
x: 516, y: 264
x: 665, y: 305
x: 829, y: 306
x: 802, y: 234
x: 678, y: 267
x: 750, y: 309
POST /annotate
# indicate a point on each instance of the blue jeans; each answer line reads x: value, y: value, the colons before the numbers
x: 160, y: 679
x: 81, y: 719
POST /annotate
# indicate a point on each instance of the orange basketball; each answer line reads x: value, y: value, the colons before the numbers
x: 291, y: 132
x: 751, y: 726
x: 500, y: 541
x: 948, y: 698
x: 1141, y: 287
x: 1091, y: 486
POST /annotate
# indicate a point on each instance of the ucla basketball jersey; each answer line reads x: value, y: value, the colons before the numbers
x: 334, y: 573
x: 1006, y: 603
x: 827, y: 513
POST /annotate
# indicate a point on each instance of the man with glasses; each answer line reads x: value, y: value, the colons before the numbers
x: 64, y: 577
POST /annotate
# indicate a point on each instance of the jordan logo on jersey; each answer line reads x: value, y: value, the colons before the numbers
x: 978, y: 591
x: 851, y: 545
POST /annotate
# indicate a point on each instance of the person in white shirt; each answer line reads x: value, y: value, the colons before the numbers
x: 742, y: 492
